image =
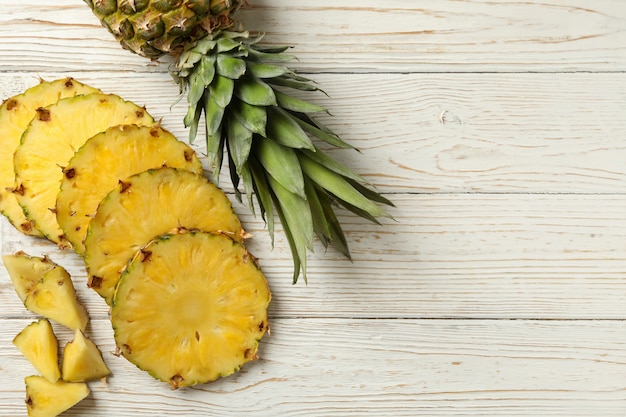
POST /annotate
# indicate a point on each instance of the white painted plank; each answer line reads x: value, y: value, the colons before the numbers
x: 462, y: 256
x: 534, y: 133
x: 317, y: 367
x: 393, y: 36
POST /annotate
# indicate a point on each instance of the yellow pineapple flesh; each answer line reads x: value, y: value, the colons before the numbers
x: 217, y: 297
x: 50, y: 141
x: 15, y: 115
x: 49, y: 399
x: 103, y: 161
x: 54, y: 297
x: 82, y: 360
x: 39, y: 345
x: 147, y: 205
x: 25, y: 271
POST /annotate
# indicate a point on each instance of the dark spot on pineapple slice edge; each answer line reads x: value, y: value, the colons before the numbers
x: 94, y: 282
x: 26, y: 227
x: 124, y: 186
x: 70, y: 173
x: 20, y: 190
x: 11, y: 103
x: 69, y: 83
x: 127, y: 349
x: 146, y: 255
x: 188, y: 155
x: 261, y: 326
x: 176, y: 381
x: 43, y: 115
x: 29, y: 402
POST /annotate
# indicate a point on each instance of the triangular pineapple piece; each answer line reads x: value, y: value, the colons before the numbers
x: 54, y: 297
x: 82, y: 360
x: 25, y: 271
x: 147, y: 205
x: 217, y: 299
x: 39, y: 345
x: 49, y: 399
x: 15, y: 114
x: 49, y: 142
x: 103, y: 161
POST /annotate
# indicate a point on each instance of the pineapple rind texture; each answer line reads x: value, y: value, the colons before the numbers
x: 153, y: 28
x: 147, y: 205
x: 103, y: 161
x: 220, y: 297
x: 15, y: 114
x: 49, y: 399
x: 40, y: 346
x: 50, y: 141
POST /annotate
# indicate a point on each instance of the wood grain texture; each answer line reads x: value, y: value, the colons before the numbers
x: 497, y: 128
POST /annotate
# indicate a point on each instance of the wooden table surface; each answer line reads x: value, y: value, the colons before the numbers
x: 499, y: 130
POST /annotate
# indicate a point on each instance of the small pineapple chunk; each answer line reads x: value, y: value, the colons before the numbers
x: 82, y: 360
x: 104, y: 160
x: 147, y: 205
x: 39, y: 345
x: 49, y: 399
x: 15, y: 114
x: 54, y: 297
x: 216, y: 297
x: 25, y: 271
x: 49, y: 142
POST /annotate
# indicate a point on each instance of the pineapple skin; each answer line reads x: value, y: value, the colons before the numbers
x: 220, y: 297
x: 153, y: 28
x: 15, y: 114
x: 103, y: 161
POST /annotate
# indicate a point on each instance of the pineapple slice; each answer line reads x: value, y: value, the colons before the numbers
x: 147, y: 205
x: 26, y: 271
x: 15, y: 114
x: 190, y: 307
x: 49, y: 142
x: 107, y: 158
x: 82, y: 360
x: 54, y: 297
x: 39, y: 345
x: 49, y: 399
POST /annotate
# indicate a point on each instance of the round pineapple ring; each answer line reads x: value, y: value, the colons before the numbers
x: 146, y: 205
x: 190, y: 307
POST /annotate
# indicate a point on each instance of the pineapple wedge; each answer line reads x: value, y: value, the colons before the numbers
x: 147, y: 205
x: 39, y: 345
x: 54, y: 297
x: 82, y: 360
x: 106, y: 158
x: 15, y: 114
x: 217, y: 299
x: 49, y: 399
x: 49, y: 142
x: 26, y: 271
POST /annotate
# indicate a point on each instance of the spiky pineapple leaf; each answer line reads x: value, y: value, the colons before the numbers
x: 282, y: 165
x: 252, y: 117
x: 230, y: 67
x: 285, y: 130
x: 255, y: 92
x: 288, y: 102
x: 221, y: 89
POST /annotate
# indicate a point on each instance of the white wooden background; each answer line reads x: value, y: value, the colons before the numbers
x: 499, y: 129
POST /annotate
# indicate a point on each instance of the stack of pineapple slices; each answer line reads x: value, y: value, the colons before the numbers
x: 162, y: 244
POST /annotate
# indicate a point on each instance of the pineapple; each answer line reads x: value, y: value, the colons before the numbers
x: 25, y: 271
x: 218, y: 299
x: 49, y: 399
x: 144, y: 206
x: 245, y: 92
x: 105, y: 159
x: 46, y: 288
x: 49, y: 142
x: 15, y: 114
x: 39, y: 345
x: 82, y: 360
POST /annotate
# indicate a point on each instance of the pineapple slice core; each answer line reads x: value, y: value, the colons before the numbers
x: 39, y: 345
x: 49, y: 399
x: 50, y: 141
x: 220, y: 297
x: 15, y: 115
